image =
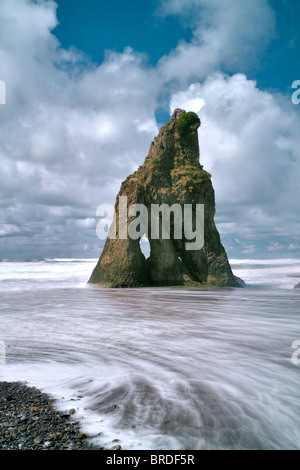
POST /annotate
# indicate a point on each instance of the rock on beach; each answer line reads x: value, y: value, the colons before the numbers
x: 29, y: 421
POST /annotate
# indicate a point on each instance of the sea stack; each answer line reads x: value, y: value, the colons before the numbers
x: 171, y: 175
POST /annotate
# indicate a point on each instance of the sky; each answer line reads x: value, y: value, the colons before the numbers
x: 89, y: 84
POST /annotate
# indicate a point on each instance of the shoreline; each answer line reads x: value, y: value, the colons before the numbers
x: 30, y: 421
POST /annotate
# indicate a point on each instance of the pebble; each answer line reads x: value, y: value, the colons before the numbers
x: 29, y: 421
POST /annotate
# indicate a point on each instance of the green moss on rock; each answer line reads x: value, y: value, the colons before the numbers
x: 187, y: 123
x: 156, y: 162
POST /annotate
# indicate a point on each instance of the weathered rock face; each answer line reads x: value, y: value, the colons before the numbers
x: 171, y: 174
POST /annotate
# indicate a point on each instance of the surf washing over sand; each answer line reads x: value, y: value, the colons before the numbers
x: 159, y: 368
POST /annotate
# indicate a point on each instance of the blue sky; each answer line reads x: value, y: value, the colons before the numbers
x: 96, y: 26
x: 90, y: 83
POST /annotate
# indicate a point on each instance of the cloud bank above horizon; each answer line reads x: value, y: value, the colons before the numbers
x: 73, y: 129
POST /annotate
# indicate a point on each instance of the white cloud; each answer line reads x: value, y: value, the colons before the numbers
x: 274, y: 246
x: 250, y: 249
x: 88, y: 222
x: 189, y: 101
x: 225, y: 35
x: 69, y: 133
x: 72, y: 130
x: 250, y: 143
x: 8, y: 229
x: 293, y: 246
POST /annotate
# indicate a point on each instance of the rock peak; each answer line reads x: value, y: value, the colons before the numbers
x: 176, y: 113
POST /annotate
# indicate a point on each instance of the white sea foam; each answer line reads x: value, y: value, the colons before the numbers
x: 164, y: 368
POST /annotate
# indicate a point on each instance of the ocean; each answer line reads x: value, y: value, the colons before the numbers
x: 159, y: 368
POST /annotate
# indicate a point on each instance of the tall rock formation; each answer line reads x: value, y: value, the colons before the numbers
x: 171, y: 174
